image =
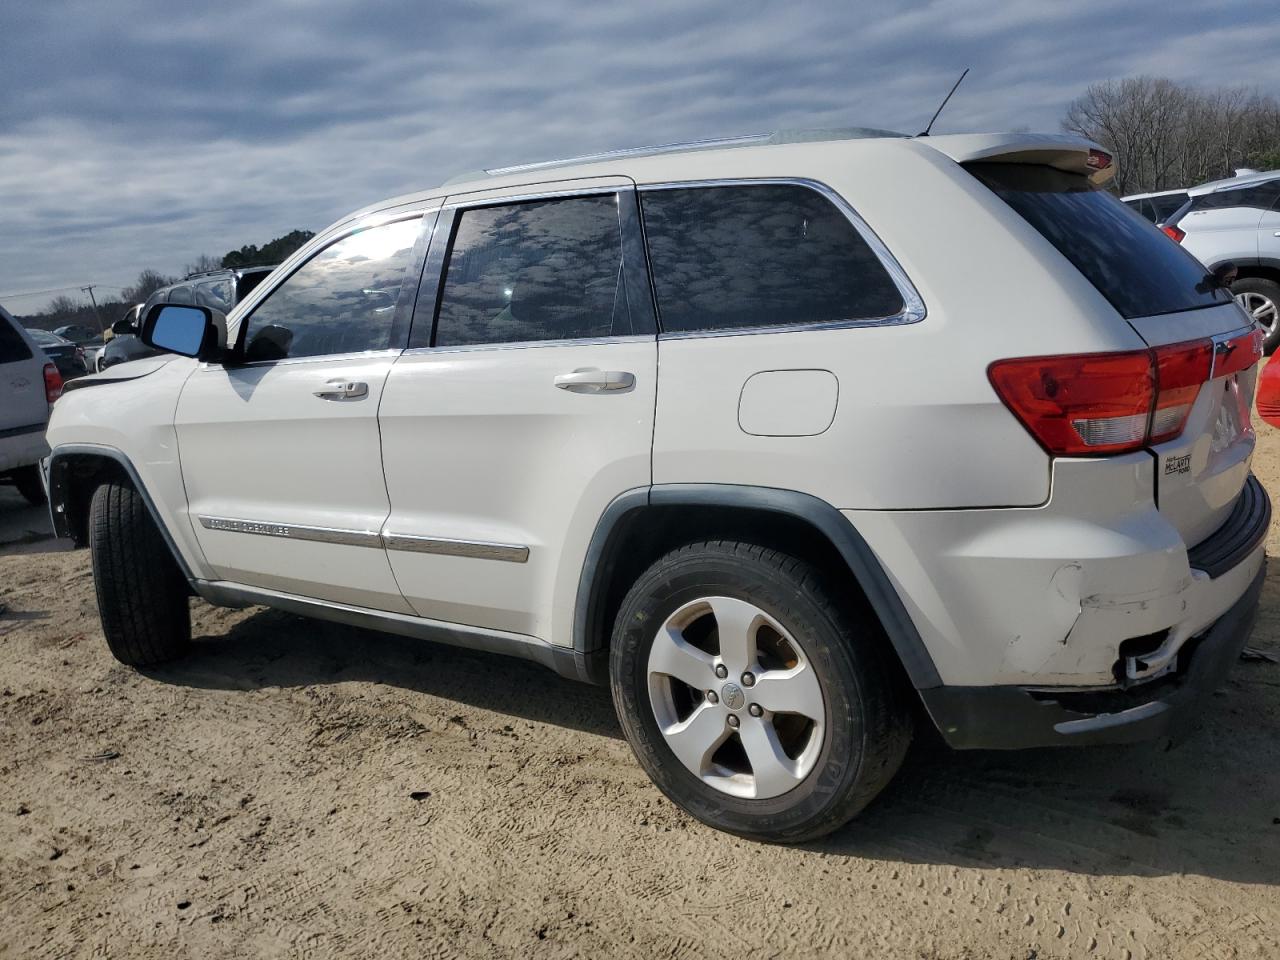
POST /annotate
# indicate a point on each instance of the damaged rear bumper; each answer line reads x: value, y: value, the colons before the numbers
x: 1011, y: 717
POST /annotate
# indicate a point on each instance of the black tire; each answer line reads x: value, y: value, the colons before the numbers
x: 867, y: 718
x: 27, y: 480
x: 142, y: 595
x: 1263, y: 288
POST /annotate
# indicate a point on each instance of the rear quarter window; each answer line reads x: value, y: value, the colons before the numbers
x: 1136, y: 267
x: 12, y: 347
x: 760, y: 255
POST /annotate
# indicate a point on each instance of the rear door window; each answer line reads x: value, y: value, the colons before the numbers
x: 760, y: 255
x: 1136, y: 267
x: 12, y: 347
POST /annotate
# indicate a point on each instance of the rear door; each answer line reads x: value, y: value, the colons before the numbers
x: 1206, y: 347
x: 527, y: 406
x: 22, y: 393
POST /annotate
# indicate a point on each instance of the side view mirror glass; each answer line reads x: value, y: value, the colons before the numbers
x: 189, y: 331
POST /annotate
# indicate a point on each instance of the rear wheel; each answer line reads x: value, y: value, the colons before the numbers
x: 27, y: 480
x: 1260, y: 298
x: 142, y: 595
x: 752, y: 698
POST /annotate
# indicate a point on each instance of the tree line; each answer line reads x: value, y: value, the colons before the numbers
x: 1167, y: 135
x: 65, y: 310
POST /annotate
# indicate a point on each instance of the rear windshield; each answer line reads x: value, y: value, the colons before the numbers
x: 1135, y: 266
x: 12, y: 347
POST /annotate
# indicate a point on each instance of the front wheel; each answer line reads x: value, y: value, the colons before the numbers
x: 142, y: 595
x: 1261, y: 300
x: 754, y: 699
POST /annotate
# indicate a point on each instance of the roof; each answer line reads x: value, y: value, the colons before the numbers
x: 1233, y: 183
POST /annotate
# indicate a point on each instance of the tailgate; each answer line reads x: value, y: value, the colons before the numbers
x: 1200, y: 472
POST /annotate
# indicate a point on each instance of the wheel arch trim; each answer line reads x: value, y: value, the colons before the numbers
x: 826, y: 519
x: 59, y: 493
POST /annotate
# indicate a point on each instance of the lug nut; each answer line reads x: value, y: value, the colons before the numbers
x: 711, y: 697
x: 748, y: 679
x: 733, y: 720
x: 721, y: 671
x: 755, y: 710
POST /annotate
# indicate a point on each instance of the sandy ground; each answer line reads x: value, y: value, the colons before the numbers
x: 300, y: 789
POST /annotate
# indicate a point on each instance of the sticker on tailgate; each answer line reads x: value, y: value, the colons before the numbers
x: 1175, y: 465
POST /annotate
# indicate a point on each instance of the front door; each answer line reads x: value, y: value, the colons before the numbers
x: 280, y: 453
x: 523, y: 406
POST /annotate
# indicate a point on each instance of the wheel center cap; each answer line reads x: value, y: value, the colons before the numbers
x: 731, y: 696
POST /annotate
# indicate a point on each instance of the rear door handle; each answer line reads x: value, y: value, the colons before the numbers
x: 343, y: 390
x: 592, y: 380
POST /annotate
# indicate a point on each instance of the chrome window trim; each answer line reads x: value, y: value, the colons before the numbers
x: 412, y: 543
x: 527, y: 344
x: 913, y: 308
x: 460, y: 201
x: 444, y: 546
x: 293, y: 531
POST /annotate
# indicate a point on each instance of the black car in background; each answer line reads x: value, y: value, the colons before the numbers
x: 218, y: 289
x: 68, y: 357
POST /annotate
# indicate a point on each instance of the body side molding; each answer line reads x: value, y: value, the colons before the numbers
x: 224, y: 594
x: 819, y: 514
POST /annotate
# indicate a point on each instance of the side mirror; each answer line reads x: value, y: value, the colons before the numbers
x: 198, y: 332
x: 123, y: 327
x: 1225, y: 273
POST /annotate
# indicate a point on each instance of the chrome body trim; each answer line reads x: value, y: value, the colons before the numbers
x: 526, y: 344
x: 225, y: 594
x: 294, y: 531
x: 913, y: 308
x: 412, y: 543
x: 482, y: 550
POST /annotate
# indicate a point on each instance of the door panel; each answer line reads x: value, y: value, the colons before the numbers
x: 480, y: 446
x: 285, y: 488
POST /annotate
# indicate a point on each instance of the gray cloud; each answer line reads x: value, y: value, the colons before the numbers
x: 133, y: 135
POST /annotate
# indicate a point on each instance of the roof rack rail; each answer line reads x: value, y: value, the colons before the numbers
x: 688, y: 146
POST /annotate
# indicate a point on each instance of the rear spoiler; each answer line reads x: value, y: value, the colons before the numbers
x: 1062, y: 151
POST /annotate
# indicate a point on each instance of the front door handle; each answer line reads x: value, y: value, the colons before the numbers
x: 592, y: 380
x: 343, y: 390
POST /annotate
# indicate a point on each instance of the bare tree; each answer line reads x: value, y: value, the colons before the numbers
x: 149, y: 281
x: 202, y: 264
x: 1167, y: 135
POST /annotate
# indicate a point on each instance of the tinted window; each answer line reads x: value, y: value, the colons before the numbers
x: 1135, y: 266
x: 342, y: 300
x: 12, y: 347
x: 216, y: 294
x: 756, y: 256
x: 179, y: 295
x: 1260, y: 197
x: 1166, y: 207
x: 546, y: 270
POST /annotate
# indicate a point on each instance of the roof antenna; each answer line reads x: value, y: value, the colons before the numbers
x: 925, y: 131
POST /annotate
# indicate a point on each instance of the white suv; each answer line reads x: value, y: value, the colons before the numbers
x: 795, y: 442
x: 29, y: 383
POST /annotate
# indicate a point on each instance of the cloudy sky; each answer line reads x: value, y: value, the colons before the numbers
x: 136, y: 134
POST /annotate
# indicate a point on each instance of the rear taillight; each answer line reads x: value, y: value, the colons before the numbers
x: 80, y: 354
x: 1181, y: 369
x: 1173, y: 233
x: 52, y: 383
x: 1083, y: 405
x: 1098, y: 160
x: 1080, y: 405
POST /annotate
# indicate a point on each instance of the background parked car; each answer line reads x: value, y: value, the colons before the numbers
x: 89, y: 339
x: 29, y: 383
x: 1158, y: 206
x: 68, y: 357
x: 1238, y: 220
x: 218, y: 289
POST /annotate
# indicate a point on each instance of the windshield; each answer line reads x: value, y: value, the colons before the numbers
x: 1135, y: 266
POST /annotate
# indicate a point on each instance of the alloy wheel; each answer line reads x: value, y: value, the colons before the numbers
x: 1262, y: 308
x: 735, y: 698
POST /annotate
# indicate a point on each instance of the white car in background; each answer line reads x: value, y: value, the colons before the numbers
x: 1237, y: 221
x: 731, y: 428
x: 1157, y: 206
x: 29, y: 384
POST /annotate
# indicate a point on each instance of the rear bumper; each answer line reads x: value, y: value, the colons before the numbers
x: 1009, y: 718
